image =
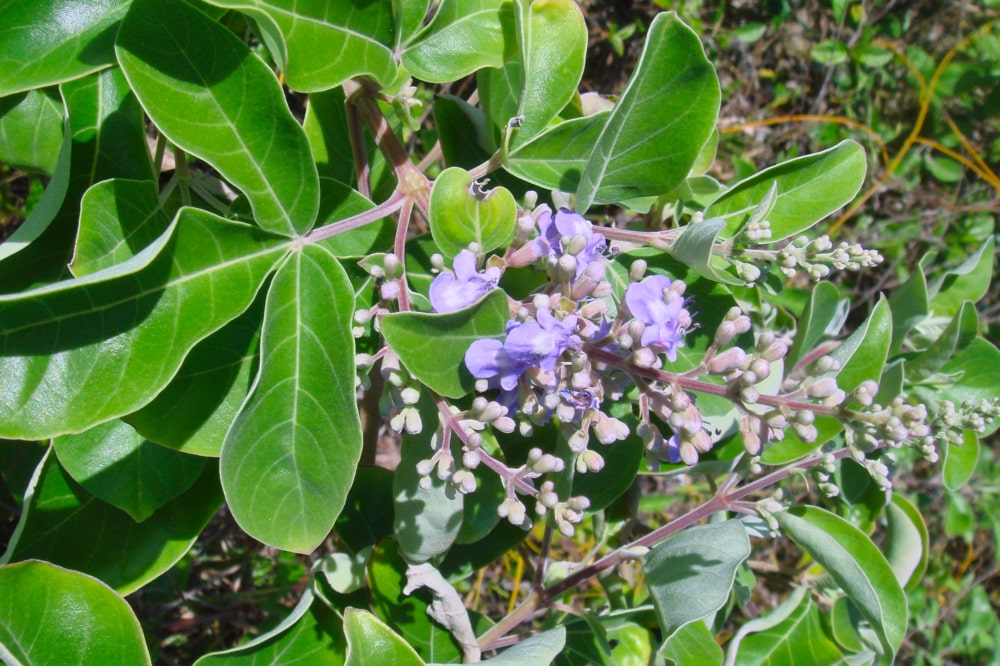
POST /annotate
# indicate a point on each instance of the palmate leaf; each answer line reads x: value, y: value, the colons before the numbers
x: 43, y: 42
x: 223, y: 105
x: 322, y: 44
x: 84, y: 351
x: 288, y: 461
x: 50, y: 615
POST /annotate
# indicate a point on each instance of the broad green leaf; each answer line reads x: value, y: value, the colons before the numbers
x: 289, y: 459
x: 105, y: 138
x: 64, y: 524
x: 410, y: 15
x: 691, y: 573
x: 695, y: 247
x: 910, y: 306
x: 824, y: 316
x: 370, y: 641
x: 118, y: 218
x: 863, y: 354
x: 845, y: 625
x: 311, y: 634
x: 84, y: 351
x: 463, y: 560
x: 223, y: 105
x: 117, y: 465
x: 959, y: 461
x: 655, y: 132
x: 692, y: 644
x: 56, y: 616
x: 432, y: 346
x: 426, y: 521
x: 326, y: 128
x: 799, y: 638
x: 959, y: 334
x: 967, y: 282
x: 368, y: 512
x: 479, y: 510
x: 407, y: 614
x: 43, y: 42
x: 864, y: 499
x: 463, y: 36
x: 462, y: 212
x: 552, y: 47
x: 463, y: 144
x: 540, y: 649
x: 906, y: 541
x: 319, y: 45
x: 809, y: 188
x: 556, y: 158
x: 855, y: 564
x: 194, y: 411
x: 766, y: 622
x: 31, y: 130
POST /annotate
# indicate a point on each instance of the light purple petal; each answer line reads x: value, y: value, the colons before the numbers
x: 483, y: 358
x: 465, y: 265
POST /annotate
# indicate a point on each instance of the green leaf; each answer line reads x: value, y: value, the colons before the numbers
x: 194, y: 411
x: 118, y: 218
x: 809, y: 188
x: 464, y: 36
x: 845, y: 625
x: 289, y: 459
x: 910, y: 306
x: 120, y: 467
x: 254, y: 142
x: 462, y: 213
x: 81, y: 352
x: 829, y: 52
x: 959, y: 334
x: 370, y: 641
x: 426, y: 521
x: 863, y: 354
x: 655, y: 132
x: 622, y: 461
x: 977, y: 373
x: 823, y: 317
x: 312, y: 633
x: 556, y: 158
x: 694, y: 247
x: 406, y: 614
x: 338, y: 202
x: 968, y: 282
x: 320, y: 45
x: 540, y: 649
x: 959, y: 461
x: 906, y: 541
x: 64, y: 524
x: 410, y: 15
x: 105, y: 138
x: 692, y: 644
x: 367, y: 514
x: 855, y: 564
x: 31, y: 130
x: 55, y: 616
x: 792, y: 448
x: 43, y: 42
x: 798, y: 638
x: 691, y: 573
x: 432, y: 346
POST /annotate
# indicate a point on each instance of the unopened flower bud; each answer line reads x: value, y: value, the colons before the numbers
x: 725, y: 333
x: 727, y: 361
x: 471, y: 459
x: 637, y: 270
x: 589, y: 460
x: 822, y: 387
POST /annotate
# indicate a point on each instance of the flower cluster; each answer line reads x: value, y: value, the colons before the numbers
x: 454, y: 291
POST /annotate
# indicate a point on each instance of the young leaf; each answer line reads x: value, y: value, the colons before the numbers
x: 312, y: 633
x: 118, y: 218
x: 200, y: 99
x: 690, y: 574
x: 432, y: 346
x: 120, y: 467
x: 906, y: 541
x: 655, y: 132
x: 694, y: 248
x: 289, y: 459
x: 959, y: 461
x: 320, y: 45
x: 31, y: 130
x: 462, y: 212
x: 856, y: 564
x: 81, y: 352
x: 464, y: 36
x: 862, y: 355
x: 370, y: 641
x: 64, y: 524
x: 36, y: 51
x: 51, y: 615
x: 809, y: 188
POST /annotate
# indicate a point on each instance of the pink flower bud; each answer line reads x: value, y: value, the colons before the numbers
x: 727, y: 361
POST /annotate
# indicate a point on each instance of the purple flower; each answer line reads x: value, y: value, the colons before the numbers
x: 662, y: 311
x: 453, y: 292
x: 581, y: 240
x: 531, y: 344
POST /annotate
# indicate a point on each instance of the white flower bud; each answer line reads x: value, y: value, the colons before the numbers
x: 471, y: 459
x: 727, y: 361
x: 637, y: 270
x: 592, y: 461
x: 822, y: 387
